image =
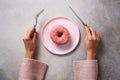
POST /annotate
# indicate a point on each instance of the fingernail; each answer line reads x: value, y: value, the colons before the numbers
x: 34, y: 25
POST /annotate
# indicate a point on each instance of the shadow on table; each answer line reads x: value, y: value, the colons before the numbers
x: 3, y: 75
x: 100, y: 53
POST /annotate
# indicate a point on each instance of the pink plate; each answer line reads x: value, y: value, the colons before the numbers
x: 70, y: 26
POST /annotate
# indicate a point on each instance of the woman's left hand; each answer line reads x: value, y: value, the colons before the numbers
x: 29, y: 40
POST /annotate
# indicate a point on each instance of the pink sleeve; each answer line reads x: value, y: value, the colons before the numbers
x: 32, y: 70
x: 85, y: 70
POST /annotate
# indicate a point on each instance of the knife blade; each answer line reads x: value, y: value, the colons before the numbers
x: 84, y: 24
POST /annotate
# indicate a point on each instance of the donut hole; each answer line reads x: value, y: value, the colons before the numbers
x: 59, y: 33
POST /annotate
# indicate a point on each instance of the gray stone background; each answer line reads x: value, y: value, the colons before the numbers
x: 16, y: 16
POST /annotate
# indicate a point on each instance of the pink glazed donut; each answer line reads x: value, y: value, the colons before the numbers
x: 59, y: 35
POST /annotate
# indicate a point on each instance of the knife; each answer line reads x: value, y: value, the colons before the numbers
x: 84, y: 24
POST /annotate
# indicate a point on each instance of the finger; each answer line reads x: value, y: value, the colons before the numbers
x: 34, y: 36
x: 26, y: 38
x: 98, y: 37
x: 88, y: 32
x: 94, y: 34
x: 30, y: 32
x: 86, y: 38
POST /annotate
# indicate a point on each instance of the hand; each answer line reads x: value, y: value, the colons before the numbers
x: 91, y: 40
x: 29, y: 40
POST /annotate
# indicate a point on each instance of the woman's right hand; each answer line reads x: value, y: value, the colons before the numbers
x: 91, y: 40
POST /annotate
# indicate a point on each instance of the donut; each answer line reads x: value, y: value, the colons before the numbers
x: 59, y: 35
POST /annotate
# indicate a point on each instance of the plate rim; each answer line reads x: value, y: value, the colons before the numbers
x: 57, y: 17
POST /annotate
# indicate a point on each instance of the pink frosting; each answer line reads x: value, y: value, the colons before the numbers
x: 59, y: 35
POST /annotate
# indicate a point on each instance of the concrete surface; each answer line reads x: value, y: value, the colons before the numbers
x: 16, y: 16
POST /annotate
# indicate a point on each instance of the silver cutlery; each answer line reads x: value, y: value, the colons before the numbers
x: 77, y: 16
x: 36, y: 17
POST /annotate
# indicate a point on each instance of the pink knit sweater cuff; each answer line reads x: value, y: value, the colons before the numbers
x: 85, y: 70
x: 32, y: 70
